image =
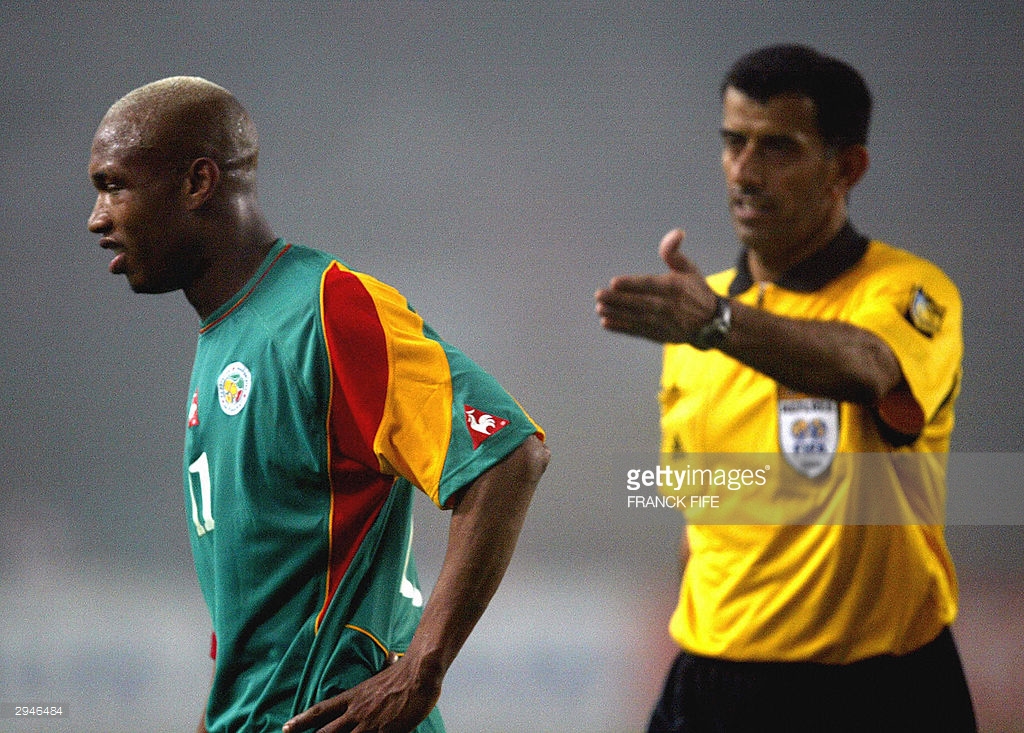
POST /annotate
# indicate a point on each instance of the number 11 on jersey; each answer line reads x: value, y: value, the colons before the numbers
x: 201, y: 468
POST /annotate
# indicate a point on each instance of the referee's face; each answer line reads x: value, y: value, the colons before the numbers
x: 786, y: 188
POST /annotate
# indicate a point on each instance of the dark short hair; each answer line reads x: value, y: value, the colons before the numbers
x: 839, y: 93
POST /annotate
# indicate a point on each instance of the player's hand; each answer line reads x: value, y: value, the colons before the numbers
x: 392, y: 701
x: 667, y: 308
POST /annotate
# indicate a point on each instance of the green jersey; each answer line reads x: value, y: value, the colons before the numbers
x: 318, y: 400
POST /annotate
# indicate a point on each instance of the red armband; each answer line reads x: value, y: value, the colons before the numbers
x: 902, y: 413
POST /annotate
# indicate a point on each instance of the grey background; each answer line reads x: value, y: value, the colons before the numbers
x: 497, y: 162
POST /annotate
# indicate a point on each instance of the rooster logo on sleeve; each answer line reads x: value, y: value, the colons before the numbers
x: 482, y: 425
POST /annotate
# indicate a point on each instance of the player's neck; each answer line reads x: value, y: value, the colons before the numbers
x: 233, y: 258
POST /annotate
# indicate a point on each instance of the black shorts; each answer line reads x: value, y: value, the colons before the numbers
x: 922, y: 691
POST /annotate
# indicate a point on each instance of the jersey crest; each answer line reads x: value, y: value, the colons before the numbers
x: 481, y: 425
x: 233, y: 387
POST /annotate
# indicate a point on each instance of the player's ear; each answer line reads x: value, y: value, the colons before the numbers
x: 200, y: 182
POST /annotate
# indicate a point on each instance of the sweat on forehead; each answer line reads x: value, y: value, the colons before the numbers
x: 182, y: 117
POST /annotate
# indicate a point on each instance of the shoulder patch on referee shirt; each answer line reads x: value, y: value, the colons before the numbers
x: 924, y: 313
x: 481, y: 425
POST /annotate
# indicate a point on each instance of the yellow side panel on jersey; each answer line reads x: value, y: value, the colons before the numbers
x: 409, y: 441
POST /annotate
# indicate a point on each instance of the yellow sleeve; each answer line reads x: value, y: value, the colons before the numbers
x: 916, y: 309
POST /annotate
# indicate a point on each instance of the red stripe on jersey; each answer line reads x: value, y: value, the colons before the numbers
x: 357, y: 350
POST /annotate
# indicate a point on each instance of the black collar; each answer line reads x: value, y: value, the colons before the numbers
x: 814, y: 273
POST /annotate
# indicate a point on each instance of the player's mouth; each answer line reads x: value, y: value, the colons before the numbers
x: 118, y: 265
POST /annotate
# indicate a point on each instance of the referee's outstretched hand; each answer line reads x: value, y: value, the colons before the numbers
x: 666, y: 308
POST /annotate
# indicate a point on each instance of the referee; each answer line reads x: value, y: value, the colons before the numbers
x: 826, y: 348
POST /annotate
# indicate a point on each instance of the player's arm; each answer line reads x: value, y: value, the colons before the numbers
x: 485, y: 525
x: 825, y: 358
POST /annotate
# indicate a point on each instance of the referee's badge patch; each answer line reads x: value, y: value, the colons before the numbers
x: 233, y: 387
x: 808, y: 431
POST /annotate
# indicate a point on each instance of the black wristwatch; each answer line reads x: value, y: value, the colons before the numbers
x: 713, y: 333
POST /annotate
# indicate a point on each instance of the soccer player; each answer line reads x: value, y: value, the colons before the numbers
x: 818, y: 344
x: 319, y: 401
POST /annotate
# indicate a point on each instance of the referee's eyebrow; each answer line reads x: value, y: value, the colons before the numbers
x: 781, y: 141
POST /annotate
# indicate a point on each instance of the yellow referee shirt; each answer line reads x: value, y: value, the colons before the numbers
x: 825, y: 591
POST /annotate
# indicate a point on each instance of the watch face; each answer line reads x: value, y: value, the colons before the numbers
x: 712, y: 334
